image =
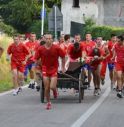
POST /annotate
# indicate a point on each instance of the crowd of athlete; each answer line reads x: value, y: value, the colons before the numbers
x: 47, y: 57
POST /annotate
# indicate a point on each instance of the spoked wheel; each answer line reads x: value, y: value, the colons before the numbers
x: 81, y: 89
x: 42, y: 91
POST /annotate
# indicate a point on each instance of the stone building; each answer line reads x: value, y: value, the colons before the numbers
x: 104, y: 12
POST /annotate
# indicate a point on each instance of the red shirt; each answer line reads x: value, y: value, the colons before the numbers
x: 88, y: 47
x: 18, y: 52
x: 49, y: 57
x: 75, y: 54
x: 110, y: 47
x: 119, y: 49
x: 32, y: 47
x: 102, y: 53
x: 64, y: 47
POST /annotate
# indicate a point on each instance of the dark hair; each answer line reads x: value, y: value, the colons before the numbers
x: 120, y: 37
x: 66, y: 37
x: 16, y: 35
x: 77, y: 34
x: 113, y: 35
x: 76, y: 45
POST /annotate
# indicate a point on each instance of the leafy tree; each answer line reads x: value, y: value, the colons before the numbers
x: 21, y: 14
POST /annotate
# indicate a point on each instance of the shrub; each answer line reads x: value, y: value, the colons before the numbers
x: 7, y: 29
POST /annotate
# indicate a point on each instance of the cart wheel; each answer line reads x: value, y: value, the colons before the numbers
x: 42, y: 92
x: 81, y: 89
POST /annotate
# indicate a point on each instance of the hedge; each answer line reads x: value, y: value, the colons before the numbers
x: 104, y: 31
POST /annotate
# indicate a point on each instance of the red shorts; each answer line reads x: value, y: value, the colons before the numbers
x: 119, y: 67
x: 51, y: 73
x: 17, y: 66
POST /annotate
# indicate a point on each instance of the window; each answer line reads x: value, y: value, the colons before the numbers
x: 76, y: 3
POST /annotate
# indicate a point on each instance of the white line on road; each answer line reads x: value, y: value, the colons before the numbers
x: 91, y: 110
x: 8, y: 92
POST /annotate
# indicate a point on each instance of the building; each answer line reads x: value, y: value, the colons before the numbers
x: 104, y: 12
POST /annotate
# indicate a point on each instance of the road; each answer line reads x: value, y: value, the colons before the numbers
x: 26, y: 110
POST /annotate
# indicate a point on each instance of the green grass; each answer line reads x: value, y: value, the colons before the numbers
x: 5, y: 71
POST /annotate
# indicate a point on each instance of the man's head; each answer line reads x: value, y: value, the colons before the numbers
x: 77, y: 38
x: 120, y: 39
x: 32, y: 37
x: 67, y: 38
x: 113, y: 38
x: 76, y: 46
x: 99, y: 41
x: 16, y: 38
x: 88, y: 37
x: 48, y: 38
x: 22, y: 38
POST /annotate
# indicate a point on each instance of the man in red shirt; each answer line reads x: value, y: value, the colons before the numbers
x: 49, y: 54
x: 75, y: 50
x: 96, y: 64
x: 119, y: 65
x: 111, y: 64
x: 19, y: 53
x: 32, y: 46
x: 88, y: 46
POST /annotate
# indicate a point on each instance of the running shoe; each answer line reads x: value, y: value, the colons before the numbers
x: 20, y: 89
x: 98, y: 91
x: 119, y: 94
x: 15, y: 92
x: 48, y: 106
x: 30, y: 85
x: 95, y: 92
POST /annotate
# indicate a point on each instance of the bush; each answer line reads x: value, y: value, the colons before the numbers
x: 104, y: 31
x: 7, y: 29
x: 5, y: 71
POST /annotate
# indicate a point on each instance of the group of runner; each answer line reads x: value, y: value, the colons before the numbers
x: 48, y: 57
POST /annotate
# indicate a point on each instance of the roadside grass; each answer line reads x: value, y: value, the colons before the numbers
x: 5, y: 71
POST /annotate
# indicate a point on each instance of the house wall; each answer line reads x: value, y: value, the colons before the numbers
x: 87, y: 9
x: 105, y: 12
x: 114, y: 12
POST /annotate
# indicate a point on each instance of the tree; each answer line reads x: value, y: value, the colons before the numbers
x: 22, y: 13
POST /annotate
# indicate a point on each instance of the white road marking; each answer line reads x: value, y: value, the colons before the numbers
x: 10, y: 91
x: 91, y: 110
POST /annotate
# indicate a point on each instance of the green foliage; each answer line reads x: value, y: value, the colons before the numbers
x: 103, y: 31
x: 21, y: 14
x: 89, y: 22
x: 5, y: 72
x: 7, y: 29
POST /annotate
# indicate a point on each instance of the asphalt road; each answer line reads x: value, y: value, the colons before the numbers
x: 26, y: 110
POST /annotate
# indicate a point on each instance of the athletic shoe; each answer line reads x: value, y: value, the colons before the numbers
x: 33, y: 86
x: 55, y: 94
x: 114, y: 87
x: 38, y: 88
x: 119, y: 94
x: 98, y: 91
x: 30, y: 85
x: 48, y: 106
x: 20, y: 89
x: 95, y: 92
x: 15, y: 92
